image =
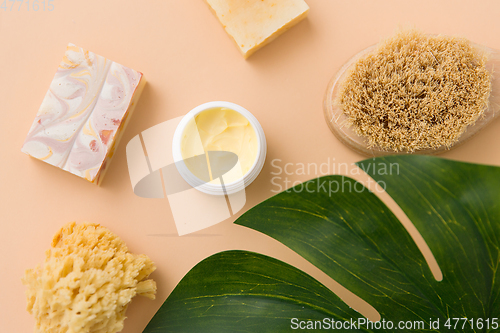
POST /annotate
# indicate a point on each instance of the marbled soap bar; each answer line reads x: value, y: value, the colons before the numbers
x: 84, y: 113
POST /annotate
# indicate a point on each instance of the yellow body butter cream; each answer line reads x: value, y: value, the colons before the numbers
x: 219, y: 129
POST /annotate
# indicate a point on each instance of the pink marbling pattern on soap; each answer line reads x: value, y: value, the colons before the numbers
x: 82, y: 112
x: 94, y: 142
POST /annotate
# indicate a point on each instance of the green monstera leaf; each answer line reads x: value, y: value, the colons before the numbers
x: 346, y: 231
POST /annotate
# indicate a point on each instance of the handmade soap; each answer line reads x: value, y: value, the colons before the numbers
x: 254, y: 23
x: 84, y: 114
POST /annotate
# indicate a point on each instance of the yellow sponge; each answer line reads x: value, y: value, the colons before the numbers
x: 87, y: 282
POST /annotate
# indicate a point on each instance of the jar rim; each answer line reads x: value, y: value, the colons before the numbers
x: 236, y: 185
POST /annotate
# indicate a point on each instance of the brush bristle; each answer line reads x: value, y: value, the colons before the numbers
x: 415, y: 91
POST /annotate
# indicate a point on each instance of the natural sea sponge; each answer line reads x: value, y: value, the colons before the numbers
x: 416, y: 91
x: 87, y: 281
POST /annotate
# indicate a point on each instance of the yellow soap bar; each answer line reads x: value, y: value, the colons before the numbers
x: 254, y: 23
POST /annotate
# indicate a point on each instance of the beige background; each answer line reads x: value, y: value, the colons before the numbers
x: 188, y: 59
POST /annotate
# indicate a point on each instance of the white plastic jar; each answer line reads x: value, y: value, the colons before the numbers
x: 219, y: 188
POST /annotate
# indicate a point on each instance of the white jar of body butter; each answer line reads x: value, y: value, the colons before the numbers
x: 219, y: 148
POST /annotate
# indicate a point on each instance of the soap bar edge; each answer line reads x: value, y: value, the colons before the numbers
x: 267, y: 40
